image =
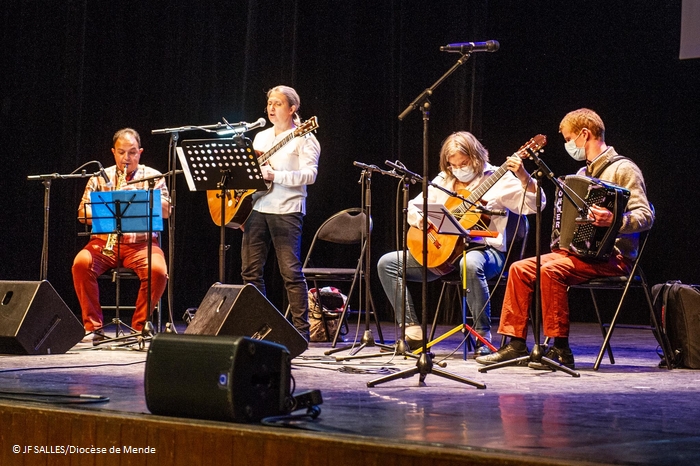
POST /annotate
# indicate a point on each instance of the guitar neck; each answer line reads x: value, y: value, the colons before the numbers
x: 479, y: 192
x: 266, y: 156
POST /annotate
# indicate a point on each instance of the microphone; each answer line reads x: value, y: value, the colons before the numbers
x: 401, y: 168
x: 468, y: 47
x: 104, y: 176
x: 364, y: 166
x: 374, y: 168
x: 491, y: 212
x: 241, y: 127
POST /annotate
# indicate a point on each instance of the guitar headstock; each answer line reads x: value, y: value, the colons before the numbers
x: 534, y: 144
x: 309, y: 125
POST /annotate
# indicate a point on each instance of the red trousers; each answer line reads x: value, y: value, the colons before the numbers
x: 90, y: 263
x: 559, y: 269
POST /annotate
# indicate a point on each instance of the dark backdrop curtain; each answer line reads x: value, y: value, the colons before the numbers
x: 76, y: 71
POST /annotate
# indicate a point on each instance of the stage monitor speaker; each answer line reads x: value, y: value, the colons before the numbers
x: 217, y: 377
x: 35, y: 320
x: 241, y: 310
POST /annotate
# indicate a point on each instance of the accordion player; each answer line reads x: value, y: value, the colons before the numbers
x: 581, y: 237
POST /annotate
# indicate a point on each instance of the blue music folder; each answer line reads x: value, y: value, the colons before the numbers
x: 130, y: 206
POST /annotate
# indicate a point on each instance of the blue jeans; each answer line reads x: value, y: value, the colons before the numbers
x: 482, y: 265
x: 284, y: 232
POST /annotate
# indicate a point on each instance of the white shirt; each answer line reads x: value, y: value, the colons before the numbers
x: 505, y: 194
x: 295, y: 166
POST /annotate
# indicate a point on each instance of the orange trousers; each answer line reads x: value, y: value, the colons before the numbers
x: 559, y: 269
x: 90, y: 263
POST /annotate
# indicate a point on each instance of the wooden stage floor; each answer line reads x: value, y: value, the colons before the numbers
x: 628, y: 413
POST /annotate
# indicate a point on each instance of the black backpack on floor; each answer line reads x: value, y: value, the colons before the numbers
x: 677, y: 310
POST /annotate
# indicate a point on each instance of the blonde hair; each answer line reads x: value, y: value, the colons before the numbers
x: 584, y: 118
x: 292, y: 99
x: 465, y: 143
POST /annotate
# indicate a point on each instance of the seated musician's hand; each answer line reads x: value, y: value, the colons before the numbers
x: 602, y: 217
x: 514, y: 163
x: 419, y: 225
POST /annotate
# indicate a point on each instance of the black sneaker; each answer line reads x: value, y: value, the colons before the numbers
x: 563, y: 356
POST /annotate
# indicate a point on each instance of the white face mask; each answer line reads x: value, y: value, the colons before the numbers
x: 464, y: 174
x: 576, y: 153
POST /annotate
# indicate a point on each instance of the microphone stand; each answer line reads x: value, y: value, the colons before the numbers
x: 172, y: 171
x: 536, y: 355
x: 407, y: 177
x: 425, y: 362
x: 46, y: 181
x: 400, y: 346
x: 151, y: 185
x: 367, y: 337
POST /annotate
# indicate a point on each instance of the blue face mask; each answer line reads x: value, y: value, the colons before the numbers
x: 576, y: 153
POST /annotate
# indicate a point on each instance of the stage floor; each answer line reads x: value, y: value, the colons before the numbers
x: 628, y: 413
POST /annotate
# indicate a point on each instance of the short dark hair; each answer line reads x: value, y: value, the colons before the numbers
x: 124, y: 131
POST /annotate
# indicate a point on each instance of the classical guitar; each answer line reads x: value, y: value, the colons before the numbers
x: 441, y: 247
x: 238, y: 203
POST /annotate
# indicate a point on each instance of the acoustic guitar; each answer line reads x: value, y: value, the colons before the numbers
x: 442, y: 248
x: 238, y: 203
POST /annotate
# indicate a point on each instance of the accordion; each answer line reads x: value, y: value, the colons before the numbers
x: 584, y: 239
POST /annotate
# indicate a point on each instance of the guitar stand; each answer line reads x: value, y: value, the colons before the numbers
x: 536, y: 355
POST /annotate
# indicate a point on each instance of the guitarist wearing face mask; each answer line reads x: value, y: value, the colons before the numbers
x: 277, y: 214
x: 465, y: 169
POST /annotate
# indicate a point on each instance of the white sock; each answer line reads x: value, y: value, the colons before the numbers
x: 414, y: 332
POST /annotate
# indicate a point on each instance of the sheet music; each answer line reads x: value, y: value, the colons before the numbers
x: 444, y: 221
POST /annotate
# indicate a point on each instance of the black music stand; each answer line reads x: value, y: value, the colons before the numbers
x: 445, y: 223
x: 221, y: 165
x: 536, y: 355
x: 126, y: 211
